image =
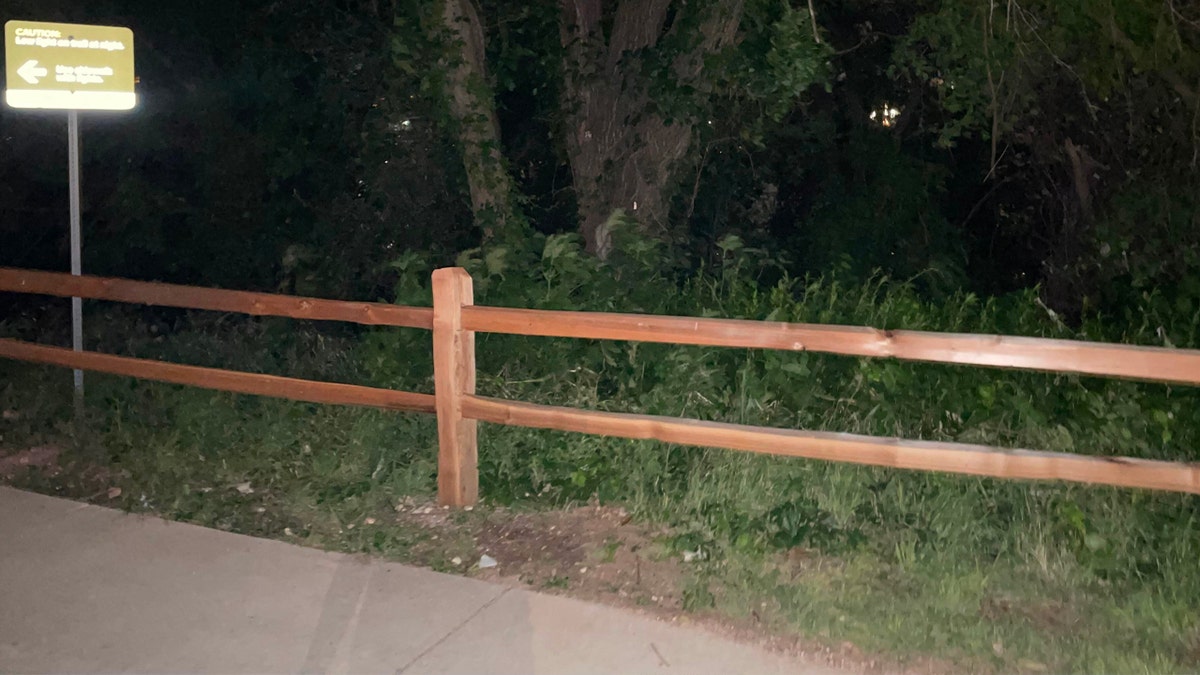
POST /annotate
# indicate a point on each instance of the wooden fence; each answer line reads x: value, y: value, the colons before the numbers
x: 454, y: 320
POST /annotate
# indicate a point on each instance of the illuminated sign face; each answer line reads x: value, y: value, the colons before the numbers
x: 63, y: 66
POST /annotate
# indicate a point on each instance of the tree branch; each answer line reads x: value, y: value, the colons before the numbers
x: 812, y: 14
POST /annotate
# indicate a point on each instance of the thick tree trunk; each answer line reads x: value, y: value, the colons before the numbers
x: 623, y: 154
x: 472, y: 106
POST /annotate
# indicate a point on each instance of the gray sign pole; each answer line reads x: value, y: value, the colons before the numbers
x: 76, y: 246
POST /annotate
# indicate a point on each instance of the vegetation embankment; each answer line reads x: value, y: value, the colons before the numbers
x: 984, y: 573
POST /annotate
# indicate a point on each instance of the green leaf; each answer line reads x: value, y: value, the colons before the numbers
x: 795, y: 369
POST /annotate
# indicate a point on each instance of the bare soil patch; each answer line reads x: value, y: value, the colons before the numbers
x: 16, y: 462
x: 590, y: 552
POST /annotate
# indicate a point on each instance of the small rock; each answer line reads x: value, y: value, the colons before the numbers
x: 114, y: 492
x: 690, y: 556
x: 11, y: 415
x: 456, y: 561
x: 244, y: 488
x: 486, y: 561
x: 369, y: 521
x: 583, y: 570
x: 350, y: 526
x: 260, y: 509
x: 288, y: 532
x: 468, y: 508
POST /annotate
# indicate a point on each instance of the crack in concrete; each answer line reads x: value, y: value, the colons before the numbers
x: 451, y: 632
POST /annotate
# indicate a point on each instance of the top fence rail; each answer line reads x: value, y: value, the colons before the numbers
x: 1155, y: 364
x: 1178, y: 366
x: 191, y: 297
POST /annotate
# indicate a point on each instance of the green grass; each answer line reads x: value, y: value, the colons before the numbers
x: 997, y: 615
x: 314, y: 473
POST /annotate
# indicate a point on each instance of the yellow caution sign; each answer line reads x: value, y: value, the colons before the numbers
x: 66, y: 66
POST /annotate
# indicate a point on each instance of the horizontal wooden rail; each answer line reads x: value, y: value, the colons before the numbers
x: 191, y: 297
x: 1068, y: 356
x: 223, y: 380
x: 977, y: 460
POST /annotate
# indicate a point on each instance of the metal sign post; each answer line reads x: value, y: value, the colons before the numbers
x: 76, y: 247
x: 72, y: 67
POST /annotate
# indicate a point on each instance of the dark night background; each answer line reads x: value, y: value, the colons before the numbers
x: 291, y: 142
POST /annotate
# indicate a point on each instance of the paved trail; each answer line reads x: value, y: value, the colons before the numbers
x: 87, y: 589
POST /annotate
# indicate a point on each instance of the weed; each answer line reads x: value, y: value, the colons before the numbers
x: 608, y: 552
x: 556, y: 581
x: 697, y: 597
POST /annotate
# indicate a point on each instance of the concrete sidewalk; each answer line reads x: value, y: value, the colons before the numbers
x: 87, y: 589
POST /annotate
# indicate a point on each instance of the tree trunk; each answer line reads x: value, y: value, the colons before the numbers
x: 472, y: 106
x: 623, y: 154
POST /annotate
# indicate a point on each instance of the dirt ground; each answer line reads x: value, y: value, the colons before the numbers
x: 44, y: 457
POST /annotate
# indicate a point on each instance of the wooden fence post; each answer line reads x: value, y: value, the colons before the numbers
x: 453, y: 377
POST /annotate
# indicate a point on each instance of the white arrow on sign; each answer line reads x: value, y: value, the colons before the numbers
x: 30, y: 72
